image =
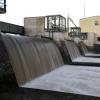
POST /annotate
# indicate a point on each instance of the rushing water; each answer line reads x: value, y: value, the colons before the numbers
x: 31, y: 57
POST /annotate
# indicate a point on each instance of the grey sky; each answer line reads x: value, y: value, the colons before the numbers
x: 18, y: 9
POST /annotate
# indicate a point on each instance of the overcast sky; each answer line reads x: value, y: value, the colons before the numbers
x: 18, y: 9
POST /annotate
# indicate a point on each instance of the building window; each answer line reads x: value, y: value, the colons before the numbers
x: 96, y: 23
x: 98, y: 39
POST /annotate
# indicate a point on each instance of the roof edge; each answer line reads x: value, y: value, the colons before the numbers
x: 89, y: 17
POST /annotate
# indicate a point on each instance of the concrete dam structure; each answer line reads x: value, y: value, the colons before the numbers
x: 31, y: 57
x: 46, y: 59
x: 37, y: 63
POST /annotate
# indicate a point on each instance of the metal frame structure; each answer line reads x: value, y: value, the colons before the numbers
x: 55, y: 23
x: 74, y: 32
x: 83, y: 35
x: 2, y: 6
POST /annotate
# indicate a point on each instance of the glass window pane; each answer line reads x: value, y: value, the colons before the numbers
x: 50, y: 22
x: 45, y: 22
x: 1, y: 3
x: 57, y: 20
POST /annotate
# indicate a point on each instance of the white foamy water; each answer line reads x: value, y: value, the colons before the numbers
x: 71, y: 79
x: 92, y: 54
x: 87, y: 60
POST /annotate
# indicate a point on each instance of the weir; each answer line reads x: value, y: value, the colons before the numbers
x: 38, y: 65
x: 31, y: 57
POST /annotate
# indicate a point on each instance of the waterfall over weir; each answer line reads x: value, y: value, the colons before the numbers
x: 31, y: 57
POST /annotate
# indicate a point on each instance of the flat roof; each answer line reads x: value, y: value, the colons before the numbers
x: 89, y: 17
x: 45, y: 16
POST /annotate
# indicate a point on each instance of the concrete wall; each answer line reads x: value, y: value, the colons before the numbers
x: 88, y: 25
x: 90, y: 39
x: 57, y: 35
x: 34, y: 26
